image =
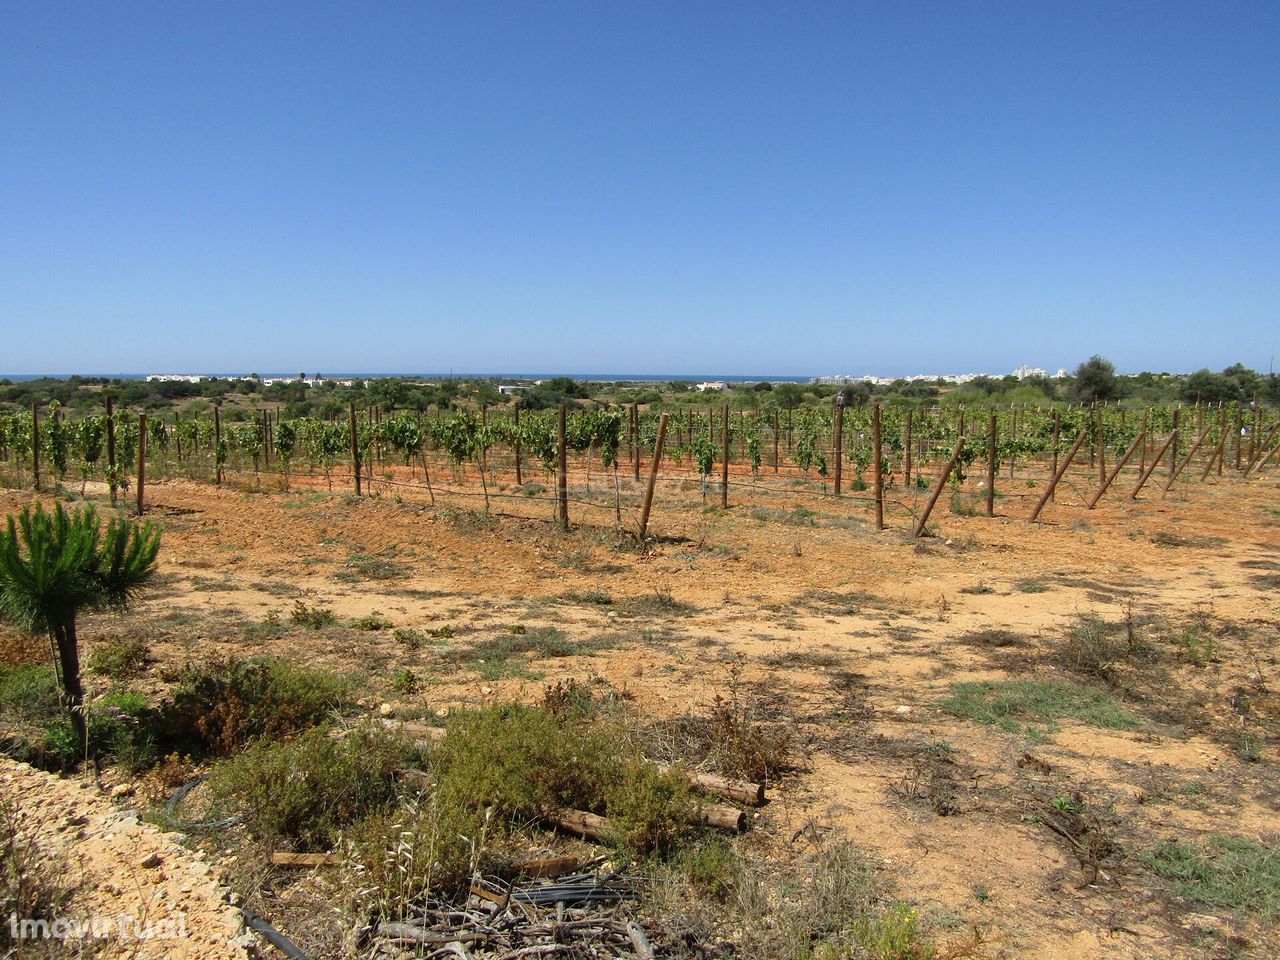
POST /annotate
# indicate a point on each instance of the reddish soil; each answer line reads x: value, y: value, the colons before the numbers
x: 850, y: 636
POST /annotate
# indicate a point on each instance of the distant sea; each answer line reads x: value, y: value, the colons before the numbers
x: 624, y: 377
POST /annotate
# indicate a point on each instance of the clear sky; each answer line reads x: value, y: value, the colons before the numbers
x: 784, y: 188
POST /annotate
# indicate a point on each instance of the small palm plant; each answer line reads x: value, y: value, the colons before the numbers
x: 54, y: 565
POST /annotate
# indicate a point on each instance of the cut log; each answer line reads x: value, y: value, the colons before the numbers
x: 280, y: 859
x: 724, y: 817
x: 595, y: 827
x: 585, y: 824
x: 740, y: 791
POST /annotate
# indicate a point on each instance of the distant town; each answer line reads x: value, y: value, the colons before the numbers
x: 315, y: 380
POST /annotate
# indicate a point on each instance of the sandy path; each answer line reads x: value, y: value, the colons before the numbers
x: 148, y: 896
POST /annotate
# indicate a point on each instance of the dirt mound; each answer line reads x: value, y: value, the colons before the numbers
x: 133, y: 891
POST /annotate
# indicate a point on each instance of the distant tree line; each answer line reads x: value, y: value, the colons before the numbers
x: 1094, y: 380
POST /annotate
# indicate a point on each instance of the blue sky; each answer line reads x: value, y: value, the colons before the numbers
x: 653, y: 187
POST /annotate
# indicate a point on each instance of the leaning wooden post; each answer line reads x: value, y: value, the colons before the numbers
x: 837, y: 442
x: 991, y: 464
x: 562, y: 472
x: 1215, y: 457
x: 1146, y: 475
x: 724, y: 461
x: 519, y: 474
x: 1275, y: 448
x: 906, y: 450
x: 653, y: 476
x: 35, y: 444
x: 1059, y: 474
x: 1173, y: 474
x: 938, y: 487
x: 142, y: 461
x: 1115, y: 471
x: 111, y: 450
x: 1261, y: 447
x: 355, y: 445
x: 877, y: 470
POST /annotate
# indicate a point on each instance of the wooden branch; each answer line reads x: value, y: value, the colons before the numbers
x: 595, y: 827
x: 740, y: 791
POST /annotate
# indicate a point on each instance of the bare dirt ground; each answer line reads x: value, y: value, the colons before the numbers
x: 853, y: 638
x: 146, y: 896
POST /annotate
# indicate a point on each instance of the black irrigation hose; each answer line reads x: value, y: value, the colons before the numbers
x: 171, y: 812
x: 276, y: 938
x: 575, y: 890
x: 251, y: 919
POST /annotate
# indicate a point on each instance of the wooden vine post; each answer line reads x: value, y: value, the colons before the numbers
x: 1102, y: 444
x: 142, y: 461
x: 562, y: 472
x: 35, y: 444
x: 1058, y: 475
x: 939, y: 486
x: 724, y: 461
x: 355, y: 446
x: 1261, y: 448
x: 1057, y: 433
x: 877, y: 466
x: 837, y: 441
x: 1115, y: 472
x: 519, y: 475
x: 111, y: 449
x: 1173, y: 460
x: 775, y: 441
x: 1222, y: 438
x: 653, y: 477
x: 906, y: 451
x: 1146, y: 474
x: 217, y: 444
x: 1173, y: 474
x: 991, y: 465
x: 635, y: 443
x: 1238, y: 434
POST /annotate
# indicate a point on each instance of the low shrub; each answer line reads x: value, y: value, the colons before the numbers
x: 120, y: 658
x: 519, y: 760
x: 372, y: 622
x: 732, y: 738
x: 313, y: 618
x: 225, y: 704
x: 1094, y: 647
x: 308, y: 790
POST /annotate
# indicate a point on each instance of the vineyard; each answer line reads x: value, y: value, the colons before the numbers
x: 990, y: 736
x: 600, y: 466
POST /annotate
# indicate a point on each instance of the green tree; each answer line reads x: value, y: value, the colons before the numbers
x: 1095, y: 381
x: 54, y: 565
x: 788, y: 395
